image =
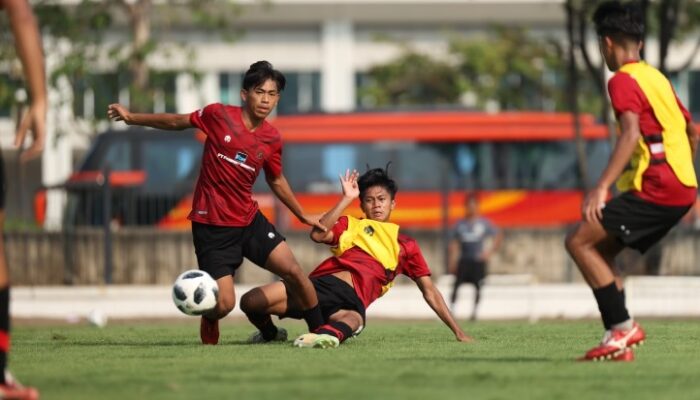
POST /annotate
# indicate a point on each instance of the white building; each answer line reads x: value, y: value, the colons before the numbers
x: 323, y: 47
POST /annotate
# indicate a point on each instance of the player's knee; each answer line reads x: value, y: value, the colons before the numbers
x: 225, y: 304
x: 294, y: 275
x: 572, y: 242
x: 249, y: 302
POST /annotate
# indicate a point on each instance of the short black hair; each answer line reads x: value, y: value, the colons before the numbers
x: 261, y: 71
x: 619, y: 21
x: 377, y: 177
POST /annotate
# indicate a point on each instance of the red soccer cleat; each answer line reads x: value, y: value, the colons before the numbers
x: 626, y: 356
x: 18, y: 393
x: 614, y: 344
x: 209, y: 331
x: 13, y: 390
x: 637, y: 339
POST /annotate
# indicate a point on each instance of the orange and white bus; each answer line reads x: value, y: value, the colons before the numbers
x: 522, y: 166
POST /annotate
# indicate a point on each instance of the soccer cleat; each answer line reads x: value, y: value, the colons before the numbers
x: 637, y: 339
x: 257, y: 337
x: 626, y: 356
x: 209, y: 331
x: 13, y: 390
x: 318, y: 341
x: 614, y: 344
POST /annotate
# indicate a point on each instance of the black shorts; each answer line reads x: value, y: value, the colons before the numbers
x: 334, y: 295
x: 639, y: 224
x: 220, y: 249
x: 471, y: 271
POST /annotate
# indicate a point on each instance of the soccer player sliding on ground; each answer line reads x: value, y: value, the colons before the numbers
x: 653, y: 164
x: 368, y: 254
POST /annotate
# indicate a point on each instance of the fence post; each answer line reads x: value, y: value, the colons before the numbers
x: 107, y: 222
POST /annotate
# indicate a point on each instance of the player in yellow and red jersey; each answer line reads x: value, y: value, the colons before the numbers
x: 368, y: 254
x: 653, y: 164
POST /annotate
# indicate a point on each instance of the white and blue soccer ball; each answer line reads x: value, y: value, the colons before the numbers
x: 195, y: 292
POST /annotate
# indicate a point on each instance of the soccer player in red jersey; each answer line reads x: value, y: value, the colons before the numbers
x: 653, y: 164
x: 368, y: 255
x: 226, y: 222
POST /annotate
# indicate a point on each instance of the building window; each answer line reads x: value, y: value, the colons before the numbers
x: 93, y: 93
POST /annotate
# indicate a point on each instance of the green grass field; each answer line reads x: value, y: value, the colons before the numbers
x: 390, y: 360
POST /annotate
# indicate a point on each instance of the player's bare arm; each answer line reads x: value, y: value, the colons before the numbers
x: 435, y: 300
x: 280, y: 187
x: 692, y: 137
x: 621, y: 154
x: 170, y: 122
x: 351, y: 191
x: 29, y: 50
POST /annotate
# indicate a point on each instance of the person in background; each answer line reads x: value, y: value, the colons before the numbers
x: 474, y: 240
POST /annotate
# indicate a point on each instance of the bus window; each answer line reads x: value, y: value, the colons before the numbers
x: 118, y: 156
x: 170, y: 164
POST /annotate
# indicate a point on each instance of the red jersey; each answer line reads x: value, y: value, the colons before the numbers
x: 231, y: 161
x: 660, y: 185
x: 370, y: 278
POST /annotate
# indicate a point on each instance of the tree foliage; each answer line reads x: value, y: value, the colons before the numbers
x: 505, y: 68
x: 87, y: 44
x: 413, y: 79
x: 517, y: 70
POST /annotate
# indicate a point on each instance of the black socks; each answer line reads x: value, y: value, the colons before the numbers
x: 611, y: 303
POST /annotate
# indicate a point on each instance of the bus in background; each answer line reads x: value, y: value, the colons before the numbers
x: 523, y: 165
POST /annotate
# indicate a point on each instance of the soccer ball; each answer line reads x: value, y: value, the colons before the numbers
x: 195, y: 292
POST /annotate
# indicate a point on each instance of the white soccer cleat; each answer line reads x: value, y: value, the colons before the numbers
x: 317, y: 341
x: 257, y: 337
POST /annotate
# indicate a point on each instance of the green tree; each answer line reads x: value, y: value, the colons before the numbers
x: 412, y: 79
x: 109, y: 43
x: 513, y: 68
x: 506, y: 67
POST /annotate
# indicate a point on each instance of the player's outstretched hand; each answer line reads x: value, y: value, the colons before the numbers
x: 118, y: 112
x: 33, y: 120
x: 349, y: 184
x: 464, y: 338
x: 313, y: 220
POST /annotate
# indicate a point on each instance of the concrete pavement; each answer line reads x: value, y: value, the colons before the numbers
x: 503, y: 298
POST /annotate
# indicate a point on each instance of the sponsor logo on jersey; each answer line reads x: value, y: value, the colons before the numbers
x: 235, y: 162
x: 241, y: 157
